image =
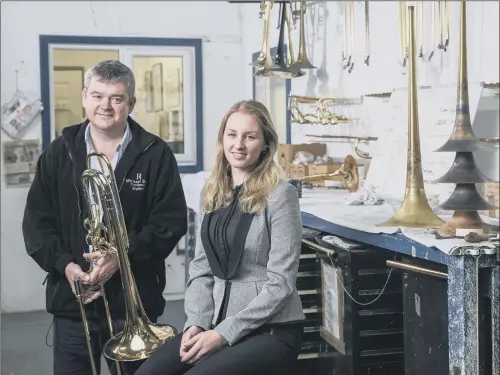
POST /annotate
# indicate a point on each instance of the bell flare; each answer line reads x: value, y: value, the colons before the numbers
x: 463, y: 170
x: 138, y: 341
x: 414, y: 213
x: 465, y: 145
x: 465, y: 197
x: 304, y: 64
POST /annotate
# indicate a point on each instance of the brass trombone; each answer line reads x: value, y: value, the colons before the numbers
x: 140, y: 337
x: 302, y: 59
x: 264, y: 61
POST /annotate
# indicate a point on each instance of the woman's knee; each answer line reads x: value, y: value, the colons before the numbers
x: 164, y: 361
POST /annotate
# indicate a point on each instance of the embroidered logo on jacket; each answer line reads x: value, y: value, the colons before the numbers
x: 138, y: 184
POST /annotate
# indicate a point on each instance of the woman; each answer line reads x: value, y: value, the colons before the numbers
x: 243, y: 310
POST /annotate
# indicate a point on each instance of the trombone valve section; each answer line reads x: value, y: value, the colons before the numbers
x: 325, y: 110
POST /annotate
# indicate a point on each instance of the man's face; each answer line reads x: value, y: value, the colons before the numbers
x: 106, y: 104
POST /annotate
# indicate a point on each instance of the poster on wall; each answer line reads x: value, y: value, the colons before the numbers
x: 19, y: 161
x: 18, y: 113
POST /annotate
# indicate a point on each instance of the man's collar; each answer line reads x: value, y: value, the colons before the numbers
x: 127, y: 135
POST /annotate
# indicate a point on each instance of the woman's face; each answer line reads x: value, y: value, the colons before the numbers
x: 243, y: 140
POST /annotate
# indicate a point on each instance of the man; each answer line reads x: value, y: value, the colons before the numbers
x: 154, y: 209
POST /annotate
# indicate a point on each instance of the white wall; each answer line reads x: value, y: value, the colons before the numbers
x: 384, y: 73
x: 324, y: 41
x: 217, y: 23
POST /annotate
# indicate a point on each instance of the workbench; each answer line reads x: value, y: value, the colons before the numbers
x: 469, y: 318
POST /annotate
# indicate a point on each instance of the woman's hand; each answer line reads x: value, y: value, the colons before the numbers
x: 202, y: 345
x: 188, y: 335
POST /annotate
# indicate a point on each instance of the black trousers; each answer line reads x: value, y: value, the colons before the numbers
x: 71, y: 356
x: 259, y: 353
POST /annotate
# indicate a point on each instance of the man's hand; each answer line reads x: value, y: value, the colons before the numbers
x: 73, y: 271
x: 188, y: 335
x: 103, y: 267
x: 202, y: 345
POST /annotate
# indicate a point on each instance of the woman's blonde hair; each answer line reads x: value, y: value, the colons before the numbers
x: 263, y: 176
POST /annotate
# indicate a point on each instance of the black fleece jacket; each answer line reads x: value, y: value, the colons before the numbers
x: 154, y: 209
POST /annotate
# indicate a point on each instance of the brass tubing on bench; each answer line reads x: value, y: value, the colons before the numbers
x: 409, y: 267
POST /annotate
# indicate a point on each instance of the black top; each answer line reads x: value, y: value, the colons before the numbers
x: 222, y: 228
x: 154, y: 209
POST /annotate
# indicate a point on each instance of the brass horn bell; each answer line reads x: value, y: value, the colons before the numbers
x: 348, y: 171
x: 415, y: 211
x: 465, y: 199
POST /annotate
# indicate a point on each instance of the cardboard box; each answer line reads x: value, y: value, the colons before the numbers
x: 287, y: 152
x: 322, y: 169
x: 297, y: 170
x: 491, y: 192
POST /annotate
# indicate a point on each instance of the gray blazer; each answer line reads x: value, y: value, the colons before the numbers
x: 263, y: 289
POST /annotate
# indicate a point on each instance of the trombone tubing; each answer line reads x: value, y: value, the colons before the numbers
x: 409, y: 267
x: 367, y: 138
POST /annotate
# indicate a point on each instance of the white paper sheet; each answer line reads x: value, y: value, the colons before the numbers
x: 329, y: 205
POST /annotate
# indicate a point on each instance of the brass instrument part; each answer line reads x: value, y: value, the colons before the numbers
x: 140, y: 337
x: 440, y: 44
x: 302, y: 59
x: 403, y: 35
x: 465, y: 200
x: 447, y: 13
x: 348, y: 171
x: 361, y: 154
x: 264, y: 61
x: 382, y: 95
x: 322, y: 114
x: 420, y: 7
x: 415, y: 211
x: 433, y: 29
x: 367, y: 33
x: 281, y: 67
x: 345, y: 52
x: 492, y: 85
x: 296, y: 113
x: 292, y: 64
x: 327, y: 136
x: 410, y: 267
x: 444, y: 13
x: 329, y: 117
x: 490, y: 140
x: 349, y: 41
x: 462, y: 138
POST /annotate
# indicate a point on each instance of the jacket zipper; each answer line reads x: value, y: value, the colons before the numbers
x: 77, y: 194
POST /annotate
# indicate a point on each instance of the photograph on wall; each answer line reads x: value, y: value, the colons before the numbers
x: 18, y: 113
x: 19, y: 161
